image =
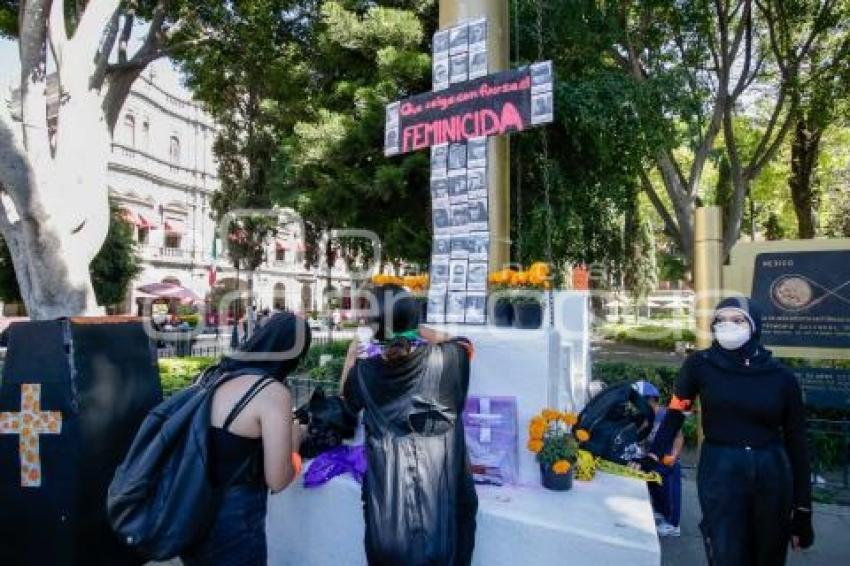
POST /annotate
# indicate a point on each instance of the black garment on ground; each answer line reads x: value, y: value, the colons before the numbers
x: 386, y: 382
x: 745, y: 496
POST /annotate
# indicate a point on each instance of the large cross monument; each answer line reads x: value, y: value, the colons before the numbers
x: 475, y: 101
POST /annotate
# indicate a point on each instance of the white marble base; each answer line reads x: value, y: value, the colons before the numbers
x: 604, y: 522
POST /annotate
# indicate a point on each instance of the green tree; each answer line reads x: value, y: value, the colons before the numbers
x: 117, y: 263
x: 641, y: 267
x: 250, y: 75
x: 112, y: 269
x: 331, y: 168
x: 695, y: 63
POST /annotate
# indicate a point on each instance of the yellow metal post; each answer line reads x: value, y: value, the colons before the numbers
x: 498, y: 151
x: 708, y: 267
x: 708, y: 280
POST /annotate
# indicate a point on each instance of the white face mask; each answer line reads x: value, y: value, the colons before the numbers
x: 731, y: 336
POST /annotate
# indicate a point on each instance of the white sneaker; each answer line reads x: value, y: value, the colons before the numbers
x: 665, y: 529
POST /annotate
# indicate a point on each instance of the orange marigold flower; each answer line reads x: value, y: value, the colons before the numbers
x: 561, y: 467
x: 540, y: 267
x: 537, y: 430
x: 550, y: 414
x: 520, y: 278
x: 569, y: 419
x: 535, y: 445
x: 582, y: 435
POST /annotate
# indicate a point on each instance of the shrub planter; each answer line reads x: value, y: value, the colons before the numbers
x: 556, y: 482
x: 528, y: 315
x: 503, y: 313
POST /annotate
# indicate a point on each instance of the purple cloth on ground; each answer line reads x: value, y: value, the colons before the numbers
x: 335, y: 462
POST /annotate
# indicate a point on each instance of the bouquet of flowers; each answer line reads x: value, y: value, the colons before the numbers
x: 554, y: 440
x: 529, y: 285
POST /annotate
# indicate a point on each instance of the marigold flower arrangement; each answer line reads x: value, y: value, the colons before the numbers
x: 414, y: 283
x: 551, y: 436
x: 529, y: 284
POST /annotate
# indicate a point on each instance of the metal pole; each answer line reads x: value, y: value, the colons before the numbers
x: 708, y: 266
x: 708, y: 280
x: 498, y: 150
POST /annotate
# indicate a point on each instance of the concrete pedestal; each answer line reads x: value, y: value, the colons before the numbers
x: 525, y: 364
x: 605, y: 521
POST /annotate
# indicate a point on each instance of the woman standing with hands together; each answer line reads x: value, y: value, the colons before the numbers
x: 754, y: 477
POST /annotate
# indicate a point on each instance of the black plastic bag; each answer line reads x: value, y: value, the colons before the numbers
x: 328, y: 420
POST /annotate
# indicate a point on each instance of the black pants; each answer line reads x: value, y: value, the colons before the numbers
x: 745, y: 495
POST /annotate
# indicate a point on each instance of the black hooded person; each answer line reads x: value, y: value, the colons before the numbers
x: 412, y: 384
x: 753, y: 477
x: 253, y: 440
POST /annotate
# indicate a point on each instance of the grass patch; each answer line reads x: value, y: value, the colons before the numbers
x: 658, y: 336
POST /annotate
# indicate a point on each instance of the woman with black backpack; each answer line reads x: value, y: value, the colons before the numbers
x: 419, y: 499
x: 253, y: 440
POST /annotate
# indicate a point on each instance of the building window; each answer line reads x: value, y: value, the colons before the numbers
x: 280, y: 255
x: 172, y: 241
x: 130, y: 130
x: 144, y: 233
x: 174, y: 150
x: 146, y: 135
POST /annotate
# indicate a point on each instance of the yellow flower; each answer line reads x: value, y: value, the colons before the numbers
x: 520, y: 278
x: 535, y: 445
x: 582, y: 435
x: 536, y: 430
x: 537, y: 419
x: 550, y: 414
x: 561, y: 467
x: 540, y: 268
x: 569, y: 419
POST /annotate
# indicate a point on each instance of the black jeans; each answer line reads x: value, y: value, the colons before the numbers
x: 238, y: 535
x: 745, y: 495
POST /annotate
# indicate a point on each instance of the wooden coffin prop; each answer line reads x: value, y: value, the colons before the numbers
x: 74, y: 392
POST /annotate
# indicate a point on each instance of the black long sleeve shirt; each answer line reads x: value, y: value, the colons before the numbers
x: 751, y: 402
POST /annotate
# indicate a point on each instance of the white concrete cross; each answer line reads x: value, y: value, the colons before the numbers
x: 28, y: 424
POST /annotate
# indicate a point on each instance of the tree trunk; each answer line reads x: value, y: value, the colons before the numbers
x: 804, y: 160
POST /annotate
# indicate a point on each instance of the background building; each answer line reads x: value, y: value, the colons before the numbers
x: 162, y: 173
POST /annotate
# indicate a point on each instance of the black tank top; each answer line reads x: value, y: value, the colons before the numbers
x: 235, y: 459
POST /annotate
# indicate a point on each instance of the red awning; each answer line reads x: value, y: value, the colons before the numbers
x: 144, y: 223
x: 174, y: 226
x: 281, y: 245
x: 170, y: 291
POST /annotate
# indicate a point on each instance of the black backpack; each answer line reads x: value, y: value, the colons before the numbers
x: 328, y: 420
x: 411, y: 481
x: 618, y: 419
x: 161, y: 500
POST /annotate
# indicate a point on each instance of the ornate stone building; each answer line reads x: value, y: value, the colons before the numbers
x: 162, y: 173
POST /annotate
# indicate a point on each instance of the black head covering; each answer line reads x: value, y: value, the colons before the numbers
x: 397, y: 311
x: 275, y: 349
x: 752, y: 356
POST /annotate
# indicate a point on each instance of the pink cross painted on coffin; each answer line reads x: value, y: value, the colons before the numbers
x: 28, y: 424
